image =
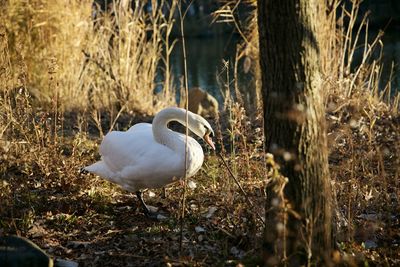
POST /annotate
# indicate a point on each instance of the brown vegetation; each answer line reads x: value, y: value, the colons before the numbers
x: 60, y: 88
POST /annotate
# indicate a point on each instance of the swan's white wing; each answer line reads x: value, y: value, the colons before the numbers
x: 134, y: 160
x: 137, y: 161
x: 120, y: 149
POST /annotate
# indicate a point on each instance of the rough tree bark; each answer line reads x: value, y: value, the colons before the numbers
x: 290, y: 59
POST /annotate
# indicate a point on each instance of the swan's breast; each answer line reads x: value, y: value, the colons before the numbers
x: 195, y: 157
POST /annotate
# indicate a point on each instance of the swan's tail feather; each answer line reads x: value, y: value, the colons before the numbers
x: 99, y: 168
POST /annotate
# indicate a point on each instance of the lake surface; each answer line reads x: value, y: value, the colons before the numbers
x: 205, y: 58
x: 205, y: 62
x: 390, y: 57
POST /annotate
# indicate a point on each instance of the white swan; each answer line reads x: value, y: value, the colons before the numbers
x: 152, y: 155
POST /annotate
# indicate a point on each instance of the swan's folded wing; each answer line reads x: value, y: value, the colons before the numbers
x: 156, y: 168
x: 135, y: 147
x: 119, y: 149
x: 134, y: 160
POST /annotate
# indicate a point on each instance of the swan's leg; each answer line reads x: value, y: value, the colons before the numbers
x: 164, y: 192
x: 139, y: 195
x: 146, y: 210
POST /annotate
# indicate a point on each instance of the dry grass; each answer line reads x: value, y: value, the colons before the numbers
x: 58, y: 53
x: 363, y: 119
x: 59, y: 93
x: 89, y: 220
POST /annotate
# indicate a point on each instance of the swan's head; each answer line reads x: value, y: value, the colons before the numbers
x: 197, y: 124
x: 201, y: 127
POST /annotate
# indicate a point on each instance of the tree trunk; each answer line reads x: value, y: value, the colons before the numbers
x: 290, y: 59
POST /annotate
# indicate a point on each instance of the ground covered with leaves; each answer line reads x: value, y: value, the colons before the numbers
x: 86, y: 219
x: 364, y: 145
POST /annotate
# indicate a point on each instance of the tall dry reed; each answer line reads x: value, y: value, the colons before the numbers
x: 81, y: 62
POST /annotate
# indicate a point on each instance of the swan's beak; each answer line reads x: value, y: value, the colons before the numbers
x: 209, y: 141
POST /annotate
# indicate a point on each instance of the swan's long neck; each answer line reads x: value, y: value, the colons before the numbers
x: 162, y: 134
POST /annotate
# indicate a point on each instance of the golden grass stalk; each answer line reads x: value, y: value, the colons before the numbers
x: 84, y: 64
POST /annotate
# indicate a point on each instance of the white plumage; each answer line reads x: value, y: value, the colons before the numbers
x: 152, y: 155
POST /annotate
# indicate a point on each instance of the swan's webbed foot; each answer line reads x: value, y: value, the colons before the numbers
x: 150, y: 211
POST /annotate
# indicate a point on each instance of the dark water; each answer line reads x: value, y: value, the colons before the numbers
x: 205, y: 62
x: 205, y: 58
x: 390, y: 57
